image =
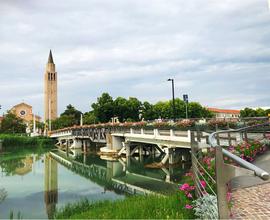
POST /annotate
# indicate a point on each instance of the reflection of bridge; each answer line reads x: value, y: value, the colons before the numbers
x: 117, y: 177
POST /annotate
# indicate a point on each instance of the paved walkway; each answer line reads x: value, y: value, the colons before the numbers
x: 251, y: 195
x: 252, y: 202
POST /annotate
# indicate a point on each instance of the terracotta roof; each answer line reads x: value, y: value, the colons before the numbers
x: 228, y: 111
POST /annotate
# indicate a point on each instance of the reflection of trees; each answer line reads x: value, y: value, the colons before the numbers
x: 9, y: 166
x: 3, y: 195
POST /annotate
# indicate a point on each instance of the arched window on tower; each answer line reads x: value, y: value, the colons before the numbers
x: 49, y: 76
x: 54, y: 76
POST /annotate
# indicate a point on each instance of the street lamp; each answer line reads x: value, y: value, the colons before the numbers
x: 173, y: 98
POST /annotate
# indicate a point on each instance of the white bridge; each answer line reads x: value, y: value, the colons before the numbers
x: 123, y: 141
x: 173, y: 144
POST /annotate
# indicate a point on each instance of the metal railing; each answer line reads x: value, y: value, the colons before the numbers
x: 224, y: 172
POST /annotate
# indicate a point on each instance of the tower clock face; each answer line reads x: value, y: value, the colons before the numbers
x: 22, y: 112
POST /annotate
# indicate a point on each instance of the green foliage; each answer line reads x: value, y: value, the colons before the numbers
x: 104, y: 108
x: 11, y: 141
x: 259, y: 112
x: 71, y: 116
x: 12, y: 124
x: 148, y: 112
x: 73, y: 113
x: 89, y: 118
x: 135, y: 207
x: 128, y: 110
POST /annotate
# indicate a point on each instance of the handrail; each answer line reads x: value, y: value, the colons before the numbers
x: 257, y: 171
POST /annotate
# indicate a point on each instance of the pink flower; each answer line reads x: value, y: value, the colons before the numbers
x: 229, y: 196
x: 203, y: 183
x: 189, y: 195
x: 191, y: 187
x: 189, y: 174
x: 184, y: 187
x: 188, y: 206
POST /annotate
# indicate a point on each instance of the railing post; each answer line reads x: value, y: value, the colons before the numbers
x: 245, y: 136
x: 142, y: 131
x: 172, y: 133
x: 194, y: 148
x: 229, y: 136
x: 131, y: 131
x: 223, y: 209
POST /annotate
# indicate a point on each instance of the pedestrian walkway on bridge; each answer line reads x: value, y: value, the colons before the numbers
x: 251, y: 195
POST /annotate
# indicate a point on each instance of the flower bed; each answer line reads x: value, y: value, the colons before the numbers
x: 246, y: 150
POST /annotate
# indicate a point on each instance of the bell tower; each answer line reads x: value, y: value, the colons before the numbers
x: 50, y: 90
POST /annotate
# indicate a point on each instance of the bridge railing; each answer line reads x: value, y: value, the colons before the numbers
x: 217, y: 182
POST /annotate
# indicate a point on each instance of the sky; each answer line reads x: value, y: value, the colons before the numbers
x: 218, y: 52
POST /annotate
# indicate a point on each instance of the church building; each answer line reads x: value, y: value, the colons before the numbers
x: 50, y: 90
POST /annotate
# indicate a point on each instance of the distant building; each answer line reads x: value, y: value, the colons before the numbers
x: 24, y: 111
x: 225, y: 113
x: 50, y: 90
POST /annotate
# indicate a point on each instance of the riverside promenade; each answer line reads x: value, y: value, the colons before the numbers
x: 251, y: 195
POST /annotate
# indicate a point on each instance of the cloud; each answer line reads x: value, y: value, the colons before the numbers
x: 217, y: 51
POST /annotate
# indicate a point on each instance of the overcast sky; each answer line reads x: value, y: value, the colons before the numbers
x: 217, y: 51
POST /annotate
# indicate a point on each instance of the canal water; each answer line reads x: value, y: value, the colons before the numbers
x: 34, y: 185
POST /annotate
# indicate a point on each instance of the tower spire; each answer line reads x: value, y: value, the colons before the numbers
x: 50, y: 60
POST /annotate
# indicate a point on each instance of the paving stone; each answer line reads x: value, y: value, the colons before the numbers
x: 251, y: 202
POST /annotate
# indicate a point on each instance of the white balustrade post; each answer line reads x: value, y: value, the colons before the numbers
x: 156, y: 132
x: 131, y: 131
x: 142, y: 131
x: 172, y: 134
x: 189, y: 135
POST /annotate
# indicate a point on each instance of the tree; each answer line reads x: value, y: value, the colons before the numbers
x: 89, y: 118
x: 104, y: 108
x: 71, y: 116
x: 148, y: 112
x: 121, y: 108
x: 249, y: 112
x: 73, y: 112
x: 12, y: 124
x: 134, y: 107
x: 195, y: 110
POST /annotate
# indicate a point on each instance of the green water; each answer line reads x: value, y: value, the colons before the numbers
x: 34, y: 184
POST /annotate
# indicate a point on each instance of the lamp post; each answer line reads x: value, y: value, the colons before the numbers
x: 174, y: 117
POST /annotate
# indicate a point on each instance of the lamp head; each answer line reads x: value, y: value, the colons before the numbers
x: 170, y: 80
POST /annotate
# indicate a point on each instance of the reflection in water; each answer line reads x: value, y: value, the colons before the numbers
x: 125, y: 175
x: 3, y: 195
x: 37, y: 184
x: 51, y: 185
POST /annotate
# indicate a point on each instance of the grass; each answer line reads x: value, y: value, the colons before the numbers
x: 17, y: 141
x: 133, y: 207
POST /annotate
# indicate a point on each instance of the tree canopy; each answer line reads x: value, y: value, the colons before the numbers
x: 259, y: 112
x: 12, y: 124
x: 130, y: 109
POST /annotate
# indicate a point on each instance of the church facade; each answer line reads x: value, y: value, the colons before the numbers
x: 50, y: 90
x: 24, y: 111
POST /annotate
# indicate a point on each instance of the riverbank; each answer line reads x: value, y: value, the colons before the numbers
x: 133, y: 207
x: 16, y: 141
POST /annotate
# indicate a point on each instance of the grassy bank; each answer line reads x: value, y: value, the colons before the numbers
x: 134, y: 207
x: 12, y: 141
